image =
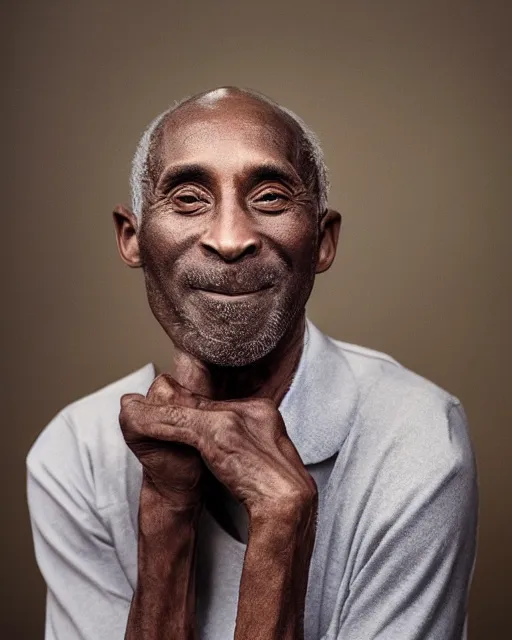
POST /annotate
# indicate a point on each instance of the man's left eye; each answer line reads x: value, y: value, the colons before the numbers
x: 270, y: 197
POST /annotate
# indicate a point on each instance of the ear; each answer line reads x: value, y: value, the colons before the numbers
x: 126, y: 224
x: 329, y: 232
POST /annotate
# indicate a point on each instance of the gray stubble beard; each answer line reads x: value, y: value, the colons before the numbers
x: 238, y: 345
x: 231, y: 342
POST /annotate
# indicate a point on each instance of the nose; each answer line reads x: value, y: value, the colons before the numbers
x: 231, y: 234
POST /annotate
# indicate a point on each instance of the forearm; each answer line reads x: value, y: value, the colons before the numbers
x: 275, y: 576
x: 163, y: 605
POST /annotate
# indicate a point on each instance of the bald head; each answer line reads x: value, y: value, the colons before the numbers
x: 233, y: 105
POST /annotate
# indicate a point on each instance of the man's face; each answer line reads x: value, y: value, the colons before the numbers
x: 228, y: 244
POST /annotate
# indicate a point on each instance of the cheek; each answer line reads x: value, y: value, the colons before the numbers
x: 298, y: 239
x: 159, y: 245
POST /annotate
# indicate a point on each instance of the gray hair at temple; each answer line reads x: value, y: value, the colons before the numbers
x: 309, y: 147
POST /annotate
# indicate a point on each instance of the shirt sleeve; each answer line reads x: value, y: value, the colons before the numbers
x: 88, y: 594
x: 415, y: 572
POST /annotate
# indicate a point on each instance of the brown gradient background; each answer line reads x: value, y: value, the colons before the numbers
x: 412, y: 102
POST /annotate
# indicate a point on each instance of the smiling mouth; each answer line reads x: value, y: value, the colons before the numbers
x: 223, y: 294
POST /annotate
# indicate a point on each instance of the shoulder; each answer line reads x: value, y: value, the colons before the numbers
x: 400, y: 510
x: 390, y: 392
x: 83, y: 441
x: 402, y: 422
x: 378, y: 373
x: 408, y: 460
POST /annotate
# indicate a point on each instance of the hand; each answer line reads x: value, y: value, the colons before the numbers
x: 244, y: 444
x: 174, y: 469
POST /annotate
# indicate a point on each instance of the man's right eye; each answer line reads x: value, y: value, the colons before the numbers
x: 188, y: 198
x: 188, y: 201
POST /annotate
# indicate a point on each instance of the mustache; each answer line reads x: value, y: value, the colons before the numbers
x: 237, y: 279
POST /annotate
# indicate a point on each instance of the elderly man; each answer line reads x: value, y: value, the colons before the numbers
x: 278, y: 484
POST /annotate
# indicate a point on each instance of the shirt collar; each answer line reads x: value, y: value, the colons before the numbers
x: 320, y: 404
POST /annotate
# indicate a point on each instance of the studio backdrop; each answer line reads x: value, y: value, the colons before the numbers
x: 412, y: 104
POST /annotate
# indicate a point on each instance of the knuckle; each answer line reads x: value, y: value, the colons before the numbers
x: 217, y: 433
x: 131, y: 418
x: 201, y: 402
x: 127, y: 398
x: 230, y: 420
x: 264, y: 403
x: 260, y: 407
x: 223, y: 434
x: 127, y: 423
x: 126, y: 413
x: 222, y: 431
x: 165, y: 388
x: 160, y: 388
x: 172, y: 415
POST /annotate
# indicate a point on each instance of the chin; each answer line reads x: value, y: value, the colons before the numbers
x: 229, y: 353
x: 233, y: 333
x: 235, y: 345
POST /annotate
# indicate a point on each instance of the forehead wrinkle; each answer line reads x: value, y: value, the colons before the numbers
x: 302, y: 146
x: 212, y: 127
x: 250, y: 171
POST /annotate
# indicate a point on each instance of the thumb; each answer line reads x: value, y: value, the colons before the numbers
x: 192, y: 374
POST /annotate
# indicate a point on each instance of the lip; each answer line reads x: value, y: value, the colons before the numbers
x: 230, y: 297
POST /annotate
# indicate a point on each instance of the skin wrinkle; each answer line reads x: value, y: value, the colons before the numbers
x: 302, y: 157
x: 231, y: 340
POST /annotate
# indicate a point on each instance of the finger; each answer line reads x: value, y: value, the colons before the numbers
x: 193, y: 373
x: 165, y: 389
x: 160, y: 388
x: 198, y: 428
x: 128, y: 397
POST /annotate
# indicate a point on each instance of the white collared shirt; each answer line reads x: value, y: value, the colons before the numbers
x: 397, y: 521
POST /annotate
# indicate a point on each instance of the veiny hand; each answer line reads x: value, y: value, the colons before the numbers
x: 174, y: 469
x: 244, y: 444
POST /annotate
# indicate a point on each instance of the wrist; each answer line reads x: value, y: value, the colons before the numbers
x: 163, y: 604
x: 275, y: 573
x: 157, y: 511
x: 284, y: 520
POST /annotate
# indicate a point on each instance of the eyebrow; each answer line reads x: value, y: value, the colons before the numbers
x: 267, y: 171
x: 270, y: 171
x: 183, y: 173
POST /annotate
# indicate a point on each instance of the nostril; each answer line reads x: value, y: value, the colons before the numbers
x: 210, y: 249
x: 231, y: 252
